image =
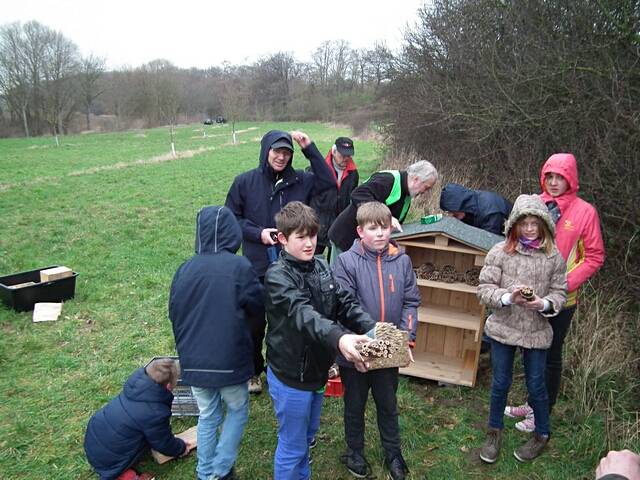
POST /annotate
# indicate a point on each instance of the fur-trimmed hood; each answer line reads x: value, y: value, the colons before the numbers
x: 529, y: 205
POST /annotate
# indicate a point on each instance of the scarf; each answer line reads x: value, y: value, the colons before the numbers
x: 532, y: 244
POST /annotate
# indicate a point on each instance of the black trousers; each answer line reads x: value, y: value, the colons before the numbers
x: 384, y: 385
x: 553, y: 372
x: 257, y: 324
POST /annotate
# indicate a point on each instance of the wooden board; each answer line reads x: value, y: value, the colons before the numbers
x: 55, y: 273
x: 451, y: 248
x: 450, y: 317
x: 455, y: 286
x: 189, y: 435
x: 442, y: 368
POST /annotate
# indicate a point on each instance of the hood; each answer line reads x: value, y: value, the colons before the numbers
x: 529, y: 205
x: 141, y: 388
x: 457, y: 198
x: 265, y: 145
x: 563, y: 164
x: 392, y: 252
x: 217, y: 229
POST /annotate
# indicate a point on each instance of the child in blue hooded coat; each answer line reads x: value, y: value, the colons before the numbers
x: 137, y: 419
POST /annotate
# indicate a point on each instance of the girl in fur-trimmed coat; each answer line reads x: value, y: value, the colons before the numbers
x: 524, y: 283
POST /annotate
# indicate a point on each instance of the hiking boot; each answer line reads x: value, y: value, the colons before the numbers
x: 521, y: 411
x: 528, y: 425
x: 356, y: 463
x: 397, y: 468
x: 255, y: 385
x: 532, y: 449
x: 491, y: 448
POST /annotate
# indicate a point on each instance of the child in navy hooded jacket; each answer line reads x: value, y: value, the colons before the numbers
x: 138, y: 419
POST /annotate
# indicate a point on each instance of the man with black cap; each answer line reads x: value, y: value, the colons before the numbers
x: 257, y: 195
x: 331, y: 202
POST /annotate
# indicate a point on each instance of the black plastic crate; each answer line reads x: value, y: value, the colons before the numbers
x: 24, y: 298
x: 184, y: 403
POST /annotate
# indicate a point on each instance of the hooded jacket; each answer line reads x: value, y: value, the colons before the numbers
x: 578, y: 234
x: 134, y: 420
x: 482, y: 209
x: 384, y: 284
x: 257, y: 195
x: 210, y: 297
x: 503, y: 272
x: 331, y: 202
x: 375, y: 189
x: 307, y: 313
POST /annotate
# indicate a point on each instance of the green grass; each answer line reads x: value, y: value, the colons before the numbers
x: 125, y: 229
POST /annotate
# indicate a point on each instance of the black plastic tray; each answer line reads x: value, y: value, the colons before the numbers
x: 24, y: 298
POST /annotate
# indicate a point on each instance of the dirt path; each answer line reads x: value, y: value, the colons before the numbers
x: 167, y: 157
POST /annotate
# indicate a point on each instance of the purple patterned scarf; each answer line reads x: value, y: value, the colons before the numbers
x: 532, y: 244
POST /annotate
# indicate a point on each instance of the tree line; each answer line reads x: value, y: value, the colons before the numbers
x: 44, y: 82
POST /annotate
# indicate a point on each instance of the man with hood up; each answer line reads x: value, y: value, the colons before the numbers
x: 212, y: 294
x: 257, y: 195
x: 478, y: 208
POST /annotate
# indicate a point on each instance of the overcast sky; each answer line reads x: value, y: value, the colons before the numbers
x: 199, y: 33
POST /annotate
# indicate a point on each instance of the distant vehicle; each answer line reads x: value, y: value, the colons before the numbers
x: 221, y: 119
x: 208, y: 121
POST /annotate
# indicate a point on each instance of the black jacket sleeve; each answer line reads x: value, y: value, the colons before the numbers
x: 236, y: 203
x: 351, y: 314
x: 376, y: 189
x: 323, y: 177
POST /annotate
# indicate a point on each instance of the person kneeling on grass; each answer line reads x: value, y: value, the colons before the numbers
x: 524, y: 282
x: 121, y: 432
x: 309, y: 318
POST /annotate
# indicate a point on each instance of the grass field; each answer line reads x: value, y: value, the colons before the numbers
x: 120, y: 211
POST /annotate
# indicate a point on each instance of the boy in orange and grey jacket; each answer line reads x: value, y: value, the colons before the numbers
x: 381, y: 277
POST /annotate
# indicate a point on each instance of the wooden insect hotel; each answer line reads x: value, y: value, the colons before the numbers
x: 447, y: 257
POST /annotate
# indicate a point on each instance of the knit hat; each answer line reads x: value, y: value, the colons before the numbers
x: 529, y: 205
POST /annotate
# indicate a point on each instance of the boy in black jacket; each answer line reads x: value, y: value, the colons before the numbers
x: 212, y: 295
x: 306, y: 312
x: 123, y: 430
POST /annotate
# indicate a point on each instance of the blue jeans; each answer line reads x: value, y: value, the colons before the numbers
x: 534, y: 370
x: 298, y: 414
x: 216, y: 456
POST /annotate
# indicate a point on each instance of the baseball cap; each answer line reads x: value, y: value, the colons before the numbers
x: 282, y: 143
x: 345, y: 146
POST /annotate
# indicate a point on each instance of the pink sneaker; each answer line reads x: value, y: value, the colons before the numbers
x: 520, y: 411
x: 527, y: 425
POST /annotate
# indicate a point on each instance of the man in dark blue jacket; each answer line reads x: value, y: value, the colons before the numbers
x: 211, y: 296
x: 123, y: 430
x: 478, y: 208
x: 257, y: 195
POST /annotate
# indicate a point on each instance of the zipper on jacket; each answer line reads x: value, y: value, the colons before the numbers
x: 381, y: 286
x: 391, y: 286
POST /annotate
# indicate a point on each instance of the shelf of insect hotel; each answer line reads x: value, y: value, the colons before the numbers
x: 450, y: 317
x: 455, y: 286
x: 439, y: 367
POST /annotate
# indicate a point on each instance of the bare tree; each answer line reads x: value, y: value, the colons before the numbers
x: 14, y: 77
x: 59, y: 73
x: 91, y: 69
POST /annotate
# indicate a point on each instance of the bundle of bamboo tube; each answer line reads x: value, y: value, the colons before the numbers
x: 389, y: 349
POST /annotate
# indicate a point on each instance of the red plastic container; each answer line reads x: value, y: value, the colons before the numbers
x: 334, y: 388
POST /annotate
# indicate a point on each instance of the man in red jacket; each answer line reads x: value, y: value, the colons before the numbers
x: 331, y: 202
